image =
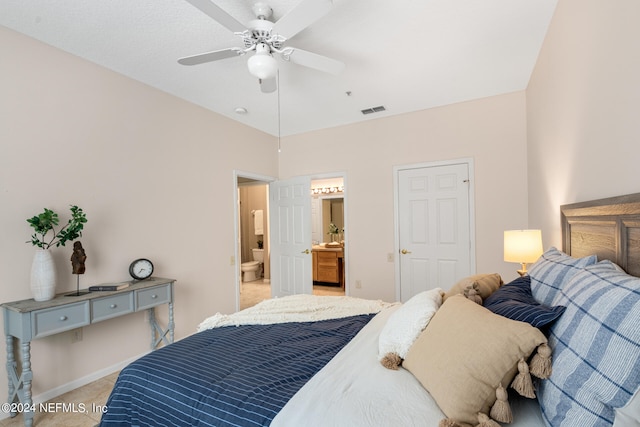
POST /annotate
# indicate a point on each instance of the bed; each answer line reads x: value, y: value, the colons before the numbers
x: 309, y: 361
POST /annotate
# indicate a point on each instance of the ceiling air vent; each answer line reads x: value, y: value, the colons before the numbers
x: 373, y: 110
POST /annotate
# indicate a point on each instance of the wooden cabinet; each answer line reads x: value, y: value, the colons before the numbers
x: 327, y: 266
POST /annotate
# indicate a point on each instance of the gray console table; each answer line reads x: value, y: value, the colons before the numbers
x: 27, y: 320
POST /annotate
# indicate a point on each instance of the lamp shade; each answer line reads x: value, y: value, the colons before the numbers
x: 523, y: 246
x: 262, y: 65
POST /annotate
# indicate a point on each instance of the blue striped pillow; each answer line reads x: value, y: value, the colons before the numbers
x: 515, y: 301
x: 552, y: 270
x: 596, y: 349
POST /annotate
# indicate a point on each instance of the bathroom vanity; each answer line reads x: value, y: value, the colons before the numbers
x: 328, y: 265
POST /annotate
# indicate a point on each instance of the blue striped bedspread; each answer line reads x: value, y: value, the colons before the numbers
x: 228, y: 376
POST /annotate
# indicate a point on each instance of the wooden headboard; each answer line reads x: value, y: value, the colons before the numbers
x: 609, y: 228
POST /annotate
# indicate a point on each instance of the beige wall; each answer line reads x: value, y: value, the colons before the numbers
x: 582, y: 110
x: 154, y: 175
x: 492, y: 131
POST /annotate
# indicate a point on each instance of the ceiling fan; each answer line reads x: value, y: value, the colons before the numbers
x: 265, y: 38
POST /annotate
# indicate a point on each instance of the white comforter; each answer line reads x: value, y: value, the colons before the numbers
x: 296, y: 308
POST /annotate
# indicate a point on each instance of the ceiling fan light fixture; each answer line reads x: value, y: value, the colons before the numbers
x: 262, y: 65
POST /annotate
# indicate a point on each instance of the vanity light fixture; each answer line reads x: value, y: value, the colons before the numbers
x: 327, y: 190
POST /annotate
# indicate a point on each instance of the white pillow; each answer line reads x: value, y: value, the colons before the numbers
x: 406, y: 323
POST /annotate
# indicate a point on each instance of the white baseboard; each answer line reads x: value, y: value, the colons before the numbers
x: 65, y: 388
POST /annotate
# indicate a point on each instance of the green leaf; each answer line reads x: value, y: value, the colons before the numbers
x: 45, y: 222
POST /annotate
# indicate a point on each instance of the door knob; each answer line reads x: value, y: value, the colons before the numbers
x: 306, y: 251
x: 404, y: 252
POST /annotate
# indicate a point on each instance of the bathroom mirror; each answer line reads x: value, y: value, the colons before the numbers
x: 332, y: 213
x: 325, y: 210
x: 327, y: 206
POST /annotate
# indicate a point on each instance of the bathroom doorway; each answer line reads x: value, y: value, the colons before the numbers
x: 252, y: 194
x: 252, y: 239
x: 328, y: 235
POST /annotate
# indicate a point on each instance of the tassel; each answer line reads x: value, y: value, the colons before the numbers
x: 473, y: 294
x: 448, y: 422
x: 501, y: 411
x: 522, y: 382
x: 391, y: 361
x: 541, y: 363
x: 485, y: 421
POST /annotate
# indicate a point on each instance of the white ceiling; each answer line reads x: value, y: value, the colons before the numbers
x: 406, y: 55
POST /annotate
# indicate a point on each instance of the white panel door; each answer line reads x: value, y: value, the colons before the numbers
x: 290, y: 226
x: 434, y: 227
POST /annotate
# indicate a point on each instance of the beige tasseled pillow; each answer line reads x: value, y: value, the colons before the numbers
x: 486, y: 284
x: 467, y: 355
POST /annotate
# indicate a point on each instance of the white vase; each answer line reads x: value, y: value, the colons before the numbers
x: 43, y: 276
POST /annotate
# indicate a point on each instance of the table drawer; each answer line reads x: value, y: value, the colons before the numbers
x: 150, y: 297
x: 111, y: 306
x: 59, y: 319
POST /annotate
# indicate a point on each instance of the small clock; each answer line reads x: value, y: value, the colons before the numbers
x: 141, y: 269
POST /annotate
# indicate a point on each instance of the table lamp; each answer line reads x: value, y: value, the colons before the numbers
x: 522, y: 246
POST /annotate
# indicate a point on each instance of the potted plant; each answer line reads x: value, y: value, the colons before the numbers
x: 43, y: 273
x: 333, y: 232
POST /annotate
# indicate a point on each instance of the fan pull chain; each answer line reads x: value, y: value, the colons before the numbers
x: 278, y: 83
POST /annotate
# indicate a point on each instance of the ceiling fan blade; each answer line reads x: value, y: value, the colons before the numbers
x: 313, y: 60
x: 299, y: 18
x: 212, y: 10
x: 211, y: 56
x: 268, y: 85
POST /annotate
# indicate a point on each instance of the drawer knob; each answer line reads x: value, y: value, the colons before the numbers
x: 154, y: 296
x: 113, y: 305
x: 63, y: 318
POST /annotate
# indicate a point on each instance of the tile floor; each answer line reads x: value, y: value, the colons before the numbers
x: 85, y: 401
x: 257, y: 291
x: 94, y: 395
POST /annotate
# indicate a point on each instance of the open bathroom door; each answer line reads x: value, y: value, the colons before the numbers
x: 290, y: 228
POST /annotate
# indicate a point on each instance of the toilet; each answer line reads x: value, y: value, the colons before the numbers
x: 252, y: 270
